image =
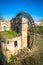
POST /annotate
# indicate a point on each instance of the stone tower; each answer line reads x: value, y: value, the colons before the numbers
x: 21, y: 26
x: 24, y: 32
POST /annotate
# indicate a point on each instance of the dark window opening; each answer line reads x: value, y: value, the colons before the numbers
x: 7, y: 42
x: 15, y: 43
x: 28, y: 41
x: 4, y: 28
x: 3, y: 41
x: 17, y: 29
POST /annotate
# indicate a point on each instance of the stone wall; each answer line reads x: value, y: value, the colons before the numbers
x: 22, y: 27
x: 9, y: 49
x: 24, y: 32
x: 5, y: 24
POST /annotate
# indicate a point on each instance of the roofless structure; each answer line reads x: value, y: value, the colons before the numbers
x: 17, y: 34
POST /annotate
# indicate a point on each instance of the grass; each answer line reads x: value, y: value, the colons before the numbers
x: 9, y: 34
x: 35, y: 57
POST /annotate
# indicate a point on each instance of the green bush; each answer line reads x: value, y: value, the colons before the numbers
x: 39, y: 30
x: 11, y: 61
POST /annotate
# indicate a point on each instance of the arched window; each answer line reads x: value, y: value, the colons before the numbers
x: 5, y: 28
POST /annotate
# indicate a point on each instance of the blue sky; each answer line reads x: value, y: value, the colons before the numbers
x: 9, y: 8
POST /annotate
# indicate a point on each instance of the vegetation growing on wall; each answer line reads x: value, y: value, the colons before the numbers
x: 31, y: 58
x: 9, y: 34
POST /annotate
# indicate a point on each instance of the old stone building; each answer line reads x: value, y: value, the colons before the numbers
x: 14, y: 35
x: 12, y: 45
x: 21, y: 26
x: 4, y: 25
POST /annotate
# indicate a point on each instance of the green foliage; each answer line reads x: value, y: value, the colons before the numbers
x: 11, y: 62
x: 34, y: 59
x: 8, y: 34
x: 39, y: 29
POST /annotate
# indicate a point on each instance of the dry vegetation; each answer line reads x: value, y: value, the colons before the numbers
x: 30, y: 57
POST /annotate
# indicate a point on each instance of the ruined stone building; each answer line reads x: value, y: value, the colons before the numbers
x: 11, y: 42
x: 14, y: 44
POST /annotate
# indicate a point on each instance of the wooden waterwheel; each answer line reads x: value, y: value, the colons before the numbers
x: 31, y: 28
